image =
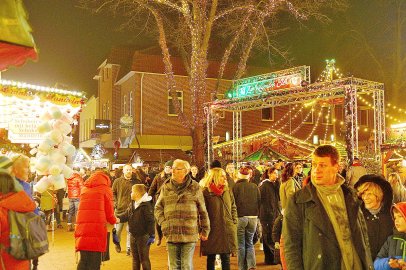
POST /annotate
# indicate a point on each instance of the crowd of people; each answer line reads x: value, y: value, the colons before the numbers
x: 328, y: 218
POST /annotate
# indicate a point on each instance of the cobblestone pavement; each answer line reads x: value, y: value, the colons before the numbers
x: 62, y: 256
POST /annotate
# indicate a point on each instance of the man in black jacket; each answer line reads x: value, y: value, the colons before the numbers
x: 247, y: 200
x: 323, y: 226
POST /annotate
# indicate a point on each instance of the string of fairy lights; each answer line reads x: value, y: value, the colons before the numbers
x: 388, y: 105
x: 327, y: 123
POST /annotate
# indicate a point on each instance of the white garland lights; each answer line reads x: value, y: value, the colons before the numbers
x: 54, y: 151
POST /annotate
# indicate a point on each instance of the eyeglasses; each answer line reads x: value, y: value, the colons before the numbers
x: 178, y: 169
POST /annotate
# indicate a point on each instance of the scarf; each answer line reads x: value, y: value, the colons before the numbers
x: 333, y: 201
x: 218, y: 190
x: 179, y: 187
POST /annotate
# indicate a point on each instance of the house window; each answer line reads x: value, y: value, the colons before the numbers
x: 363, y: 116
x: 327, y: 115
x: 171, y: 107
x: 307, y: 114
x: 221, y: 114
x: 268, y: 114
x: 108, y: 110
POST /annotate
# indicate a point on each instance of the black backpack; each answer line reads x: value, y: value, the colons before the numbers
x: 28, y: 235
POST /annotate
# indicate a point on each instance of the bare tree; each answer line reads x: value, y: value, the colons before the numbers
x: 193, y: 27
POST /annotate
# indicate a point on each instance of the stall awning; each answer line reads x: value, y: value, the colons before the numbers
x: 16, y: 41
x: 163, y: 142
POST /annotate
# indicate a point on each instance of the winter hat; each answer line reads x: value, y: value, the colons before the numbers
x: 169, y: 163
x: 401, y: 207
x: 244, y: 173
x: 215, y: 164
x: 5, y: 162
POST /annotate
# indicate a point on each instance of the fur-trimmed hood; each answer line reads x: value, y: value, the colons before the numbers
x: 382, y: 183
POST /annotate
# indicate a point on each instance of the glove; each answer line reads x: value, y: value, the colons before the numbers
x: 151, y: 240
x: 115, y: 237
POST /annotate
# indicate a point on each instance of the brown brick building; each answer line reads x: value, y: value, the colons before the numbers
x: 133, y: 82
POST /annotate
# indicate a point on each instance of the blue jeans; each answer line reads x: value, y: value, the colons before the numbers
x: 180, y: 255
x: 245, y: 233
x: 73, y: 209
x: 119, y: 227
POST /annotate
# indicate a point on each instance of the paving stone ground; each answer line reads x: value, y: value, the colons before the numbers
x: 62, y: 256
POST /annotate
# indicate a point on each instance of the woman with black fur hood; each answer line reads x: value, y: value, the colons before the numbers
x: 376, y: 194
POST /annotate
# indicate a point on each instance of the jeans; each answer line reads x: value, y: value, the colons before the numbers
x: 225, y: 261
x: 140, y: 252
x: 245, y: 232
x: 73, y: 209
x: 119, y: 227
x: 89, y: 260
x: 180, y: 255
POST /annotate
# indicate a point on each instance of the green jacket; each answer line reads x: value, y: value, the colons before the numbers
x: 182, y: 214
x: 309, y: 239
x: 223, y: 223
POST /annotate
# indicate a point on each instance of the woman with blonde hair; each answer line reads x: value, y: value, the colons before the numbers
x: 399, y: 190
x: 222, y: 212
x: 376, y: 195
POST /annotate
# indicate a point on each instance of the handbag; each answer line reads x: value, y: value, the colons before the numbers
x: 65, y: 202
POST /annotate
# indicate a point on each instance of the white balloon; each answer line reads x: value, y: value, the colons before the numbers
x: 42, y: 164
x: 55, y: 112
x: 55, y: 169
x: 44, y: 127
x: 58, y: 181
x: 65, y: 128
x: 46, y: 116
x: 67, y: 171
x: 58, y: 157
x: 42, y: 185
x: 44, y: 147
x: 56, y: 136
x: 67, y: 118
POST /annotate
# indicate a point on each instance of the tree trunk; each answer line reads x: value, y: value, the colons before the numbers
x: 198, y: 145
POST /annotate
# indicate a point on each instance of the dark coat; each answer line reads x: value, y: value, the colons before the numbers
x: 395, y: 246
x: 223, y: 223
x: 269, y: 207
x: 247, y: 198
x: 380, y: 225
x: 309, y: 237
x: 140, y: 220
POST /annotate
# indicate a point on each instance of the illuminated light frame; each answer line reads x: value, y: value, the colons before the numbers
x: 320, y: 91
x: 42, y: 88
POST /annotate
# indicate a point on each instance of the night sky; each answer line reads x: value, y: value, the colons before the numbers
x: 73, y: 42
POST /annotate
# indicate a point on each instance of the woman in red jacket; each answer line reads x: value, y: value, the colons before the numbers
x: 16, y: 201
x: 95, y: 210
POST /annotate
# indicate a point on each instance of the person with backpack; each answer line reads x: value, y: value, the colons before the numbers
x: 11, y: 200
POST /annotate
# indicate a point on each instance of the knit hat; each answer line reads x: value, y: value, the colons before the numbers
x: 244, y: 173
x: 5, y: 162
x: 215, y: 164
x: 169, y: 163
x: 401, y: 207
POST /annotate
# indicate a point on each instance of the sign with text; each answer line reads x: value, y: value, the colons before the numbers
x: 24, y: 130
x: 102, y: 126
